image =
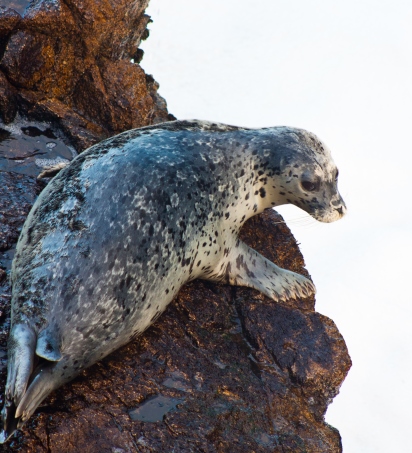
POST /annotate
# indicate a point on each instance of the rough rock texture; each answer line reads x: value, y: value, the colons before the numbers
x: 68, y: 61
x: 224, y: 369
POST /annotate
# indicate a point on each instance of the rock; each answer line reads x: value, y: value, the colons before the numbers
x: 224, y: 369
x: 8, y: 104
x: 70, y: 62
x: 9, y: 19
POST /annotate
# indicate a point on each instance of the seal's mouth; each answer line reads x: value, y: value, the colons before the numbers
x: 331, y: 214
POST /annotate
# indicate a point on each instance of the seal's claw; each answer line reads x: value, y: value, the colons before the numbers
x: 296, y: 286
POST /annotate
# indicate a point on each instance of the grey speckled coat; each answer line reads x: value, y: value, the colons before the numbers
x: 115, y: 235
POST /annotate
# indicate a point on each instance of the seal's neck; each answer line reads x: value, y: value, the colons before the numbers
x: 255, y: 192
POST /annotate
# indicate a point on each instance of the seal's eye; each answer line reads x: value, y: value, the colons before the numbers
x: 337, y: 174
x: 309, y: 186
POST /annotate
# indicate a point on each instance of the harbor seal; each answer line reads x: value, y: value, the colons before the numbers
x: 114, y: 236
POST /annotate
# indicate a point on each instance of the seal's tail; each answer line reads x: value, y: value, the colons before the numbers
x: 26, y: 387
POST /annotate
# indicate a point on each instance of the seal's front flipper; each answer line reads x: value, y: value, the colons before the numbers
x: 246, y: 267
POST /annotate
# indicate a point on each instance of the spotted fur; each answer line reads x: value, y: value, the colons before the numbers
x: 115, y: 235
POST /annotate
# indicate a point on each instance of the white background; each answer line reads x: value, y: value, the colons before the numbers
x: 342, y: 70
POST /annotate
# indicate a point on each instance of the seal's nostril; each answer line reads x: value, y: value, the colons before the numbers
x: 340, y: 210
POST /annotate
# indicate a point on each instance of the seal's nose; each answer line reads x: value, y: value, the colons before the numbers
x: 341, y: 209
x: 339, y: 205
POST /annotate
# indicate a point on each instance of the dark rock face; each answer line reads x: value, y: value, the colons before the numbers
x: 224, y: 369
x: 68, y: 62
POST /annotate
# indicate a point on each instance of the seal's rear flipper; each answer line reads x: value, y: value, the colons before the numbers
x: 27, y: 385
x: 21, y: 346
x: 41, y: 385
x: 10, y: 422
x: 245, y: 267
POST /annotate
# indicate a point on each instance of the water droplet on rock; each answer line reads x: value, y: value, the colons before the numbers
x: 154, y: 409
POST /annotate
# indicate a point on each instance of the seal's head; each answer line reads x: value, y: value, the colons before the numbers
x: 308, y: 174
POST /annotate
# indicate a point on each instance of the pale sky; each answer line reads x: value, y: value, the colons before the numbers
x: 342, y: 70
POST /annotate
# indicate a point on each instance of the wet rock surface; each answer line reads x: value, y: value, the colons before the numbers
x: 224, y: 369
x: 26, y: 147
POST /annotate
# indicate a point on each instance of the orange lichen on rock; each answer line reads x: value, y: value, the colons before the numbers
x: 79, y: 54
